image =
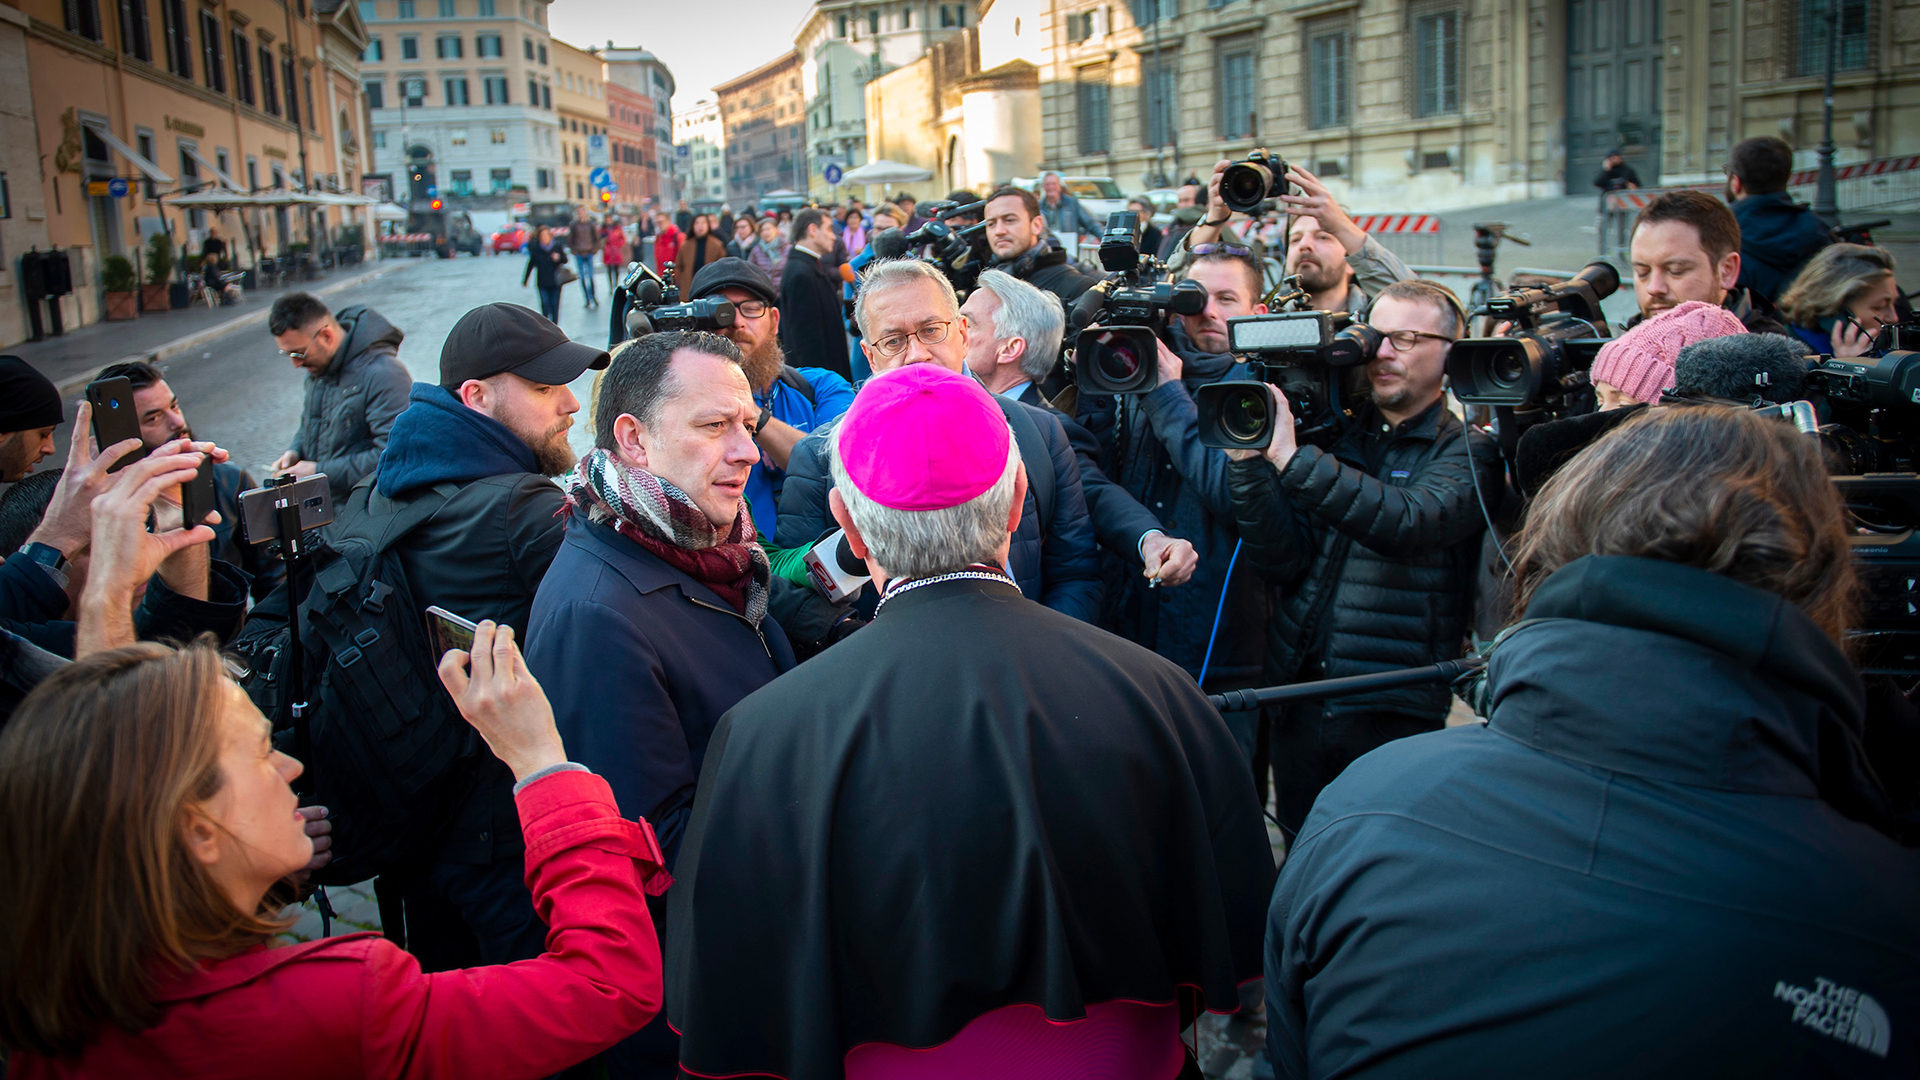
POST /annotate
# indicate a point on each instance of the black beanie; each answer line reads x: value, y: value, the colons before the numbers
x: 28, y: 399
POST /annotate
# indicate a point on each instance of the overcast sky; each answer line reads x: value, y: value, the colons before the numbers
x: 702, y: 42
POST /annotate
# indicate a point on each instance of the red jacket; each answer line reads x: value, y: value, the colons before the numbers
x: 666, y: 246
x: 357, y: 1006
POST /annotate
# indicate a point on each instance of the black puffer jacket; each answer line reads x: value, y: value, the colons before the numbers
x: 1777, y: 237
x: 1369, y: 548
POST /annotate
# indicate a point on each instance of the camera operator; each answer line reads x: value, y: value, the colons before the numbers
x: 1339, y: 265
x: 1022, y: 245
x: 1152, y: 443
x: 1686, y: 246
x: 1370, y: 546
x: 793, y: 401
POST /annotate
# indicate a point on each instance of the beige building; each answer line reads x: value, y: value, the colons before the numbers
x: 970, y: 128
x: 23, y: 204
x: 580, y: 99
x: 764, y: 114
x: 171, y: 98
x: 1422, y: 104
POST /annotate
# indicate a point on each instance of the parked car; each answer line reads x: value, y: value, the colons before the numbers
x: 511, y: 237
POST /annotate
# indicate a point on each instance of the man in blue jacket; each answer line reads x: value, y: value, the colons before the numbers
x: 1777, y: 235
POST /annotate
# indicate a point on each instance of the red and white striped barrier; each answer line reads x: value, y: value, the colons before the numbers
x: 1418, y: 224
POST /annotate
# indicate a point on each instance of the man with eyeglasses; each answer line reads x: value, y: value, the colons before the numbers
x: 793, y: 401
x: 908, y: 314
x: 1369, y: 546
x: 356, y: 386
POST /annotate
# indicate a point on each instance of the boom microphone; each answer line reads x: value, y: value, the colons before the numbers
x: 889, y: 244
x: 1740, y: 367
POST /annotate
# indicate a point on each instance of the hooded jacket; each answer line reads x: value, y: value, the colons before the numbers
x: 350, y: 407
x: 1661, y: 856
x: 1777, y: 237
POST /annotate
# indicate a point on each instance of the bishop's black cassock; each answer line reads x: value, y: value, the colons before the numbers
x: 974, y: 802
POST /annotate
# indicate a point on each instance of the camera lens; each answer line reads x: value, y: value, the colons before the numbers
x: 1118, y: 363
x: 1247, y: 417
x: 1245, y: 185
x: 1507, y: 368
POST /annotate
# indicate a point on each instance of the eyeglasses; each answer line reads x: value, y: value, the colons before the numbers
x: 300, y: 354
x: 1238, y: 251
x: 931, y: 334
x: 750, y: 309
x: 1407, y: 339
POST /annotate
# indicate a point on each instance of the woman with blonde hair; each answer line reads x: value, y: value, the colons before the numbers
x: 146, y: 823
x: 1842, y: 298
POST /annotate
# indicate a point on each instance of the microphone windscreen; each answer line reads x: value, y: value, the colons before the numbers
x: 1088, y: 307
x: 849, y: 562
x: 647, y: 293
x: 889, y: 244
x: 1733, y: 366
x: 1545, y: 447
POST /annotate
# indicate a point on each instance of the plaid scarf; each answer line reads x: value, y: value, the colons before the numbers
x: 660, y: 517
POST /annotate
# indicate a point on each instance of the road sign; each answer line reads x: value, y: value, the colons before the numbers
x: 683, y: 151
x: 117, y: 187
x: 597, y: 151
x: 601, y: 178
x: 832, y: 173
x: 433, y: 191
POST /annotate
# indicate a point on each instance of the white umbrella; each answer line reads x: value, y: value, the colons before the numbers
x: 210, y: 198
x: 886, y: 172
x: 387, y: 211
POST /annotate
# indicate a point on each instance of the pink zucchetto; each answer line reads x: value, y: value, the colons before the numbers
x: 921, y: 437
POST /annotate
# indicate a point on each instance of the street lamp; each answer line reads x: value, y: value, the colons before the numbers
x: 1825, y: 203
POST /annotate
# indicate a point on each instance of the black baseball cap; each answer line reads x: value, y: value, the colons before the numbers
x: 496, y: 338
x: 733, y: 273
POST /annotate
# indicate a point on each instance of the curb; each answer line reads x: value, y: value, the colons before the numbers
x: 188, y: 342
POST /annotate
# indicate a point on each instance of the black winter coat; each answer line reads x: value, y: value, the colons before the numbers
x: 1369, y: 547
x: 1777, y: 237
x: 1664, y: 855
x: 811, y: 331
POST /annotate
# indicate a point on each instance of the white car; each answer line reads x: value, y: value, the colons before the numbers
x: 1098, y: 195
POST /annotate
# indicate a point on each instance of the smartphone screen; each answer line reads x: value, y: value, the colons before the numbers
x: 448, y: 632
x: 114, y: 417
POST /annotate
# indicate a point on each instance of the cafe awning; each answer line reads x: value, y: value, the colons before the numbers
x: 218, y: 172
x: 147, y: 168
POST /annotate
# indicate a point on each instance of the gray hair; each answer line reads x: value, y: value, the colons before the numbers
x: 892, y: 273
x: 920, y: 543
x: 1031, y: 315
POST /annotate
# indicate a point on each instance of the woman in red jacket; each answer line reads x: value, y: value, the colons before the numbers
x: 144, y: 817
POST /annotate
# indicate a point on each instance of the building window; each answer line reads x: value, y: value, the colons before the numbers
x: 873, y: 22
x: 82, y: 17
x: 213, y: 54
x: 446, y: 9
x: 495, y: 87
x: 543, y: 178
x: 952, y: 15
x: 1158, y: 83
x: 409, y: 47
x: 135, y: 39
x: 1090, y: 94
x: 486, y: 45
x: 462, y: 181
x: 379, y: 140
x: 1081, y: 26
x: 497, y: 136
x: 306, y: 86
x: 143, y: 141
x: 840, y: 26
x: 413, y: 92
x: 1436, y: 42
x: 406, y: 9
x: 546, y: 97
x: 269, y: 92
x: 526, y: 46
x: 542, y: 49
x: 373, y: 52
x: 449, y: 47
x: 242, y: 68
x: 1146, y: 12
x: 499, y: 180
x: 1329, y: 85
x: 190, y: 180
x: 173, y: 21
x: 457, y: 137
x: 454, y: 90
x: 1810, y: 55
x: 486, y: 8
x: 1234, y: 88
x: 368, y: 11
x: 375, y: 91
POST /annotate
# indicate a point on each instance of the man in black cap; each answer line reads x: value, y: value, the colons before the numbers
x: 486, y: 441
x: 793, y: 401
x: 29, y: 411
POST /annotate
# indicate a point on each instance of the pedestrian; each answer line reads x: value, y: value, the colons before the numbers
x: 355, y: 387
x: 1065, y: 216
x: 1842, y: 299
x: 30, y: 412
x: 1024, y: 953
x: 769, y: 251
x: 810, y: 298
x: 544, y: 260
x: 1150, y: 235
x: 1675, y: 770
x: 724, y: 226
x: 613, y: 251
x: 583, y: 240
x: 702, y: 246
x: 666, y: 241
x: 150, y: 826
x: 652, y: 620
x: 853, y: 231
x: 683, y: 218
x: 743, y: 237
x: 1777, y: 234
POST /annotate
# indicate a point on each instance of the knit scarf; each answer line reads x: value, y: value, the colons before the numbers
x: 660, y: 517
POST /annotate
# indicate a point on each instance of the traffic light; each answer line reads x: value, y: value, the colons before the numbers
x: 606, y: 197
x: 435, y: 204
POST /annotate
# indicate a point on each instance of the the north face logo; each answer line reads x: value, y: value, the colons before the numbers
x: 1839, y: 1011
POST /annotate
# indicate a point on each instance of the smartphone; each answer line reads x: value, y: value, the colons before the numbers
x: 260, y: 508
x: 115, y: 417
x: 448, y: 631
x: 196, y: 495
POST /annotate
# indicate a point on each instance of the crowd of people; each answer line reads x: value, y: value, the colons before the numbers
x: 843, y: 711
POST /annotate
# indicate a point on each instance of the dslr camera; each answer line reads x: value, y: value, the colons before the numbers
x: 649, y: 303
x: 1247, y: 184
x: 1302, y: 353
x: 1554, y: 332
x: 1119, y: 353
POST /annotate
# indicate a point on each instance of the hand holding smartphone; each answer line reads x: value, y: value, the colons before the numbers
x: 115, y: 417
x: 447, y: 632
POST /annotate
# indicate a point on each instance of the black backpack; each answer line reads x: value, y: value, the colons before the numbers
x: 382, y: 734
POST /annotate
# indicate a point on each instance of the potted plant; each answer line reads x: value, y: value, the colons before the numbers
x: 117, y: 277
x: 153, y: 295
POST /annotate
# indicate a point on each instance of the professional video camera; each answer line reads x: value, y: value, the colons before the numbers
x: 1875, y: 405
x: 1553, y: 333
x: 1119, y: 355
x: 647, y: 303
x: 1247, y: 184
x: 960, y: 253
x: 1297, y: 351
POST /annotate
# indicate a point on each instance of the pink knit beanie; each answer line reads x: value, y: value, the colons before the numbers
x: 1639, y: 363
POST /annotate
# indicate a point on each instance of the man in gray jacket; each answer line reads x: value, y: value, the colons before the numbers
x: 355, y: 387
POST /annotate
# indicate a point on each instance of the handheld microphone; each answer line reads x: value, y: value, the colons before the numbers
x: 836, y: 572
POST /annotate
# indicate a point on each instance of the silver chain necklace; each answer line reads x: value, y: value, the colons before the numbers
x: 896, y: 588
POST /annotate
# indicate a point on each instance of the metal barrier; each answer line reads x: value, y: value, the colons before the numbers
x: 1413, y: 237
x: 1883, y: 184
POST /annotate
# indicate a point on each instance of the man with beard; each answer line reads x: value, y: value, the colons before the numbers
x: 1369, y: 545
x: 30, y: 412
x: 1339, y: 265
x: 1686, y: 246
x: 1023, y: 246
x: 485, y: 441
x: 793, y: 401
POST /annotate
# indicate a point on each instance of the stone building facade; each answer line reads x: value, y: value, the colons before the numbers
x: 764, y: 114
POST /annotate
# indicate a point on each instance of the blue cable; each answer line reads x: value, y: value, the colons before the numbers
x: 1219, y: 610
